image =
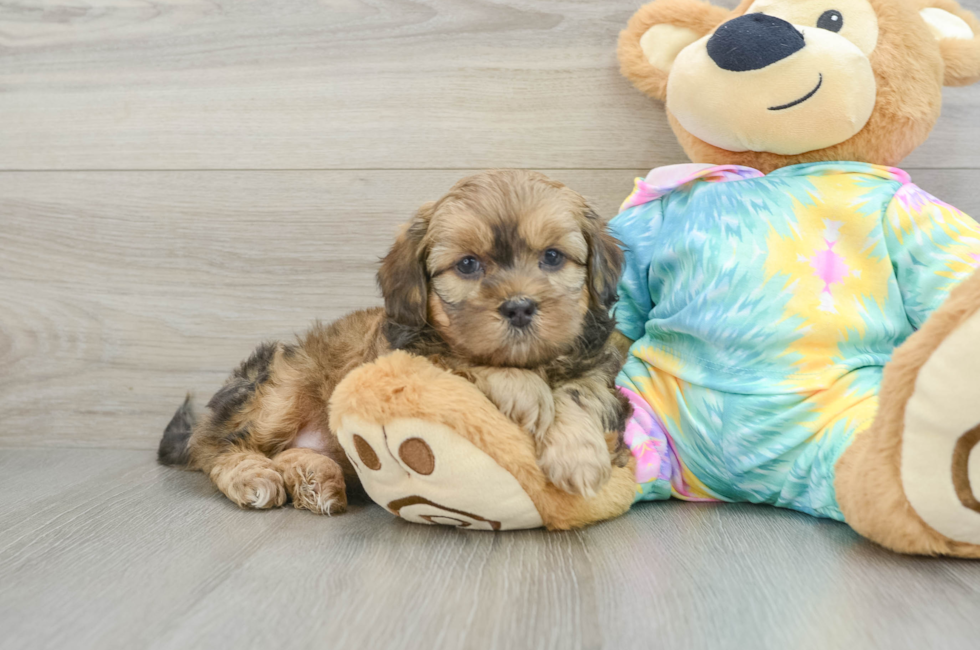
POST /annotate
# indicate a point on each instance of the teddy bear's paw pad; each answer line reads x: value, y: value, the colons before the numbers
x: 941, y: 438
x: 426, y: 473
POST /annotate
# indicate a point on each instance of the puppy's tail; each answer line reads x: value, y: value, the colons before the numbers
x: 173, y: 445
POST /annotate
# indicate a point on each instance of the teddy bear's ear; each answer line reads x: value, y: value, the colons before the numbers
x: 958, y: 33
x: 657, y: 33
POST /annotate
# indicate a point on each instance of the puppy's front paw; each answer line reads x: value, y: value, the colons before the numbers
x: 533, y: 412
x: 521, y: 395
x: 577, y: 466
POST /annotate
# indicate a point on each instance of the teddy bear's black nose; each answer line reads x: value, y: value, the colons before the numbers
x: 753, y: 41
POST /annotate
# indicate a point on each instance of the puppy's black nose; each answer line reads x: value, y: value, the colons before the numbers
x: 753, y: 41
x: 519, y: 312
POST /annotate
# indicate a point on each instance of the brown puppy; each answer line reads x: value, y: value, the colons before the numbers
x: 507, y: 281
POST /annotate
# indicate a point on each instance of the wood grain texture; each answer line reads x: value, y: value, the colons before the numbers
x: 341, y: 84
x: 121, y: 291
x: 128, y: 554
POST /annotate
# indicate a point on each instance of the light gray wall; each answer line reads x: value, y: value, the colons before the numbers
x: 181, y: 180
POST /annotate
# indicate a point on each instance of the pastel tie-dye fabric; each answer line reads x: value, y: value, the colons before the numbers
x: 763, y: 309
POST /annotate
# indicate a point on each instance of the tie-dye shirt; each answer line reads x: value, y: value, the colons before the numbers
x: 763, y: 308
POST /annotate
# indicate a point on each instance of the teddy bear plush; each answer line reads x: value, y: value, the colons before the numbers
x: 429, y: 447
x: 801, y: 320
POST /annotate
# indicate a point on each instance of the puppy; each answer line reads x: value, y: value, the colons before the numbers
x: 506, y: 280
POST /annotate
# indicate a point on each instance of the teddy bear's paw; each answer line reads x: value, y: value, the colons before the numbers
x: 577, y: 466
x: 426, y: 473
x: 941, y: 439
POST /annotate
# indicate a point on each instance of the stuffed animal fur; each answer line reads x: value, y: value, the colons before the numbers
x: 801, y: 320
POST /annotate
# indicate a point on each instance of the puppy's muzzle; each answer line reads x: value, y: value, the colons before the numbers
x: 519, y: 312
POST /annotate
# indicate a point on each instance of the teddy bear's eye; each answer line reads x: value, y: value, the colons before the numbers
x: 831, y: 20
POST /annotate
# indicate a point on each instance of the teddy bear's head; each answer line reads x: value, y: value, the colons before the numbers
x: 779, y: 82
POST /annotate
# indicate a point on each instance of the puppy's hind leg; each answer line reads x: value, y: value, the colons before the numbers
x: 314, y: 481
x: 248, y: 478
x: 230, y: 458
x: 256, y: 413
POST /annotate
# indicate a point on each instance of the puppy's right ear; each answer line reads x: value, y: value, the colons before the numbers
x: 655, y: 36
x: 404, y: 281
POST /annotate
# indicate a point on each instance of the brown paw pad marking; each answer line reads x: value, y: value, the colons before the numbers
x: 961, y: 469
x: 366, y: 453
x: 414, y: 452
x: 448, y: 519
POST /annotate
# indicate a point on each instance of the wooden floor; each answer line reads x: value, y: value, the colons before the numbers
x: 180, y: 179
x: 104, y: 549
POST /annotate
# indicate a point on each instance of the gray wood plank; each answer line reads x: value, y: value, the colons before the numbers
x: 345, y: 84
x: 142, y: 530
x: 152, y: 557
x: 121, y: 291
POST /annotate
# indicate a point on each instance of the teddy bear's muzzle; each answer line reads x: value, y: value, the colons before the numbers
x: 753, y: 41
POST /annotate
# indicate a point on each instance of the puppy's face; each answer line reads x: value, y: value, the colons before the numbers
x: 508, y: 267
x: 508, y: 272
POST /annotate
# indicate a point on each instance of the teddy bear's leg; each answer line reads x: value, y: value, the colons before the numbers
x: 430, y: 448
x: 912, y: 481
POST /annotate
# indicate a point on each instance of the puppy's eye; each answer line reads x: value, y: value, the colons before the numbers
x: 552, y: 259
x: 469, y: 265
x: 831, y: 20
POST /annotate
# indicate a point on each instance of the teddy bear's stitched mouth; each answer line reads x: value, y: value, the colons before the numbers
x: 801, y: 99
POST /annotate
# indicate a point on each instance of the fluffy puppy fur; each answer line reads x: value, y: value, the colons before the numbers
x: 506, y: 280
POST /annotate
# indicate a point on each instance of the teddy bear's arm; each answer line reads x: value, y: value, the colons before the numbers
x: 637, y: 229
x: 933, y: 247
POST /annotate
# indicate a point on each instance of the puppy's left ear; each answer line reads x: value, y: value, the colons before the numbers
x: 958, y: 33
x: 404, y: 281
x: 605, y: 262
